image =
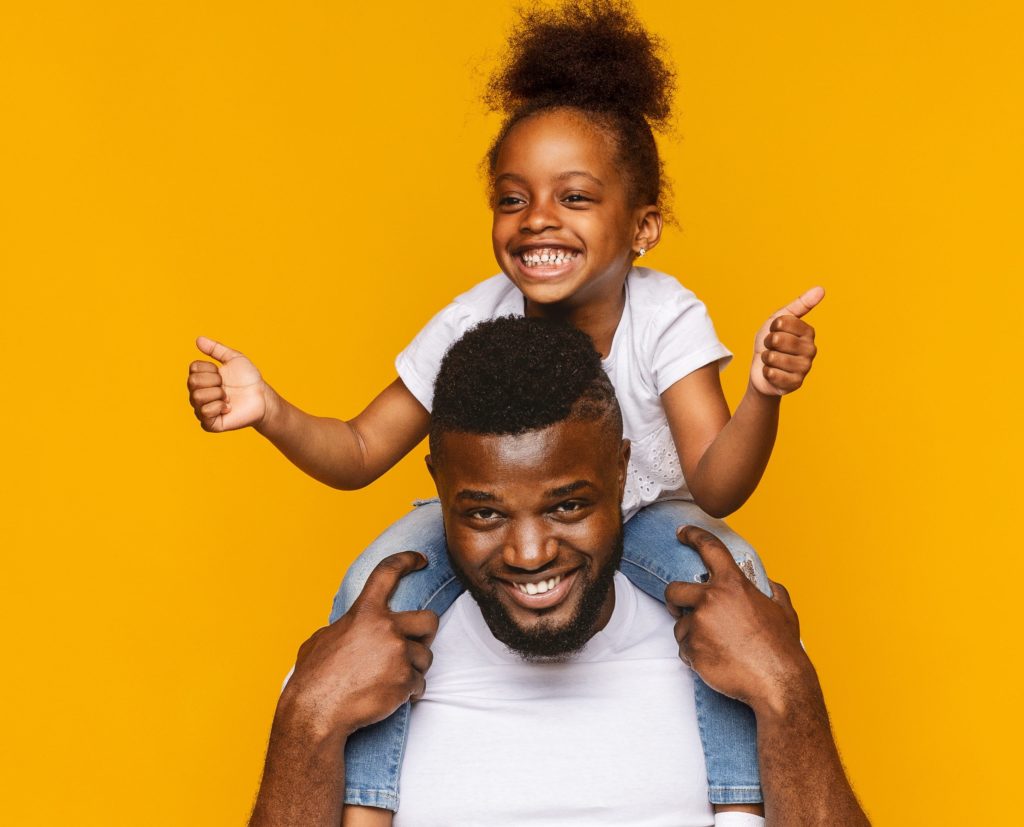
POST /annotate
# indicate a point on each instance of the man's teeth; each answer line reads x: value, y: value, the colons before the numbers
x: 552, y: 257
x: 539, y: 588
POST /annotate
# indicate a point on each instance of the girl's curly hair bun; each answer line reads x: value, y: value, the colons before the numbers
x: 594, y: 55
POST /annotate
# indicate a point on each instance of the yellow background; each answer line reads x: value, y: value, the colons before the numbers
x: 300, y: 180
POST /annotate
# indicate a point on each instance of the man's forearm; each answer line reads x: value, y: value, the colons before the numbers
x: 303, y: 781
x: 801, y: 774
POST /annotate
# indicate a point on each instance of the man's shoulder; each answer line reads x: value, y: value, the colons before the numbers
x: 640, y: 627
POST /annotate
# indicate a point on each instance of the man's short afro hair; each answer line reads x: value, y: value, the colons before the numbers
x: 514, y: 374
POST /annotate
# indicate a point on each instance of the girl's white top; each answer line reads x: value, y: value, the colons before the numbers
x: 664, y: 334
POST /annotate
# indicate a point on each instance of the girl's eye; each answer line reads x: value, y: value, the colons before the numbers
x: 576, y: 198
x: 509, y: 201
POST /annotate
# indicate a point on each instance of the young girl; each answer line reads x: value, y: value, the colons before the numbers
x: 576, y: 193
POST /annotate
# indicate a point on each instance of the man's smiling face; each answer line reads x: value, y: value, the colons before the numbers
x: 534, y: 529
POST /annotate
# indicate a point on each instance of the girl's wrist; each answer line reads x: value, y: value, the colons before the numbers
x: 770, y: 400
x: 273, y: 409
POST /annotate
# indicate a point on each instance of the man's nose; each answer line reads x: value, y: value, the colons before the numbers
x: 538, y: 217
x: 530, y: 547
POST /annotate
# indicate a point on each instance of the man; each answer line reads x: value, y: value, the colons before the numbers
x: 557, y: 695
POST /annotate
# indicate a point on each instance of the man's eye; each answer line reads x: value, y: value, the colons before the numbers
x: 484, y: 514
x: 569, y: 507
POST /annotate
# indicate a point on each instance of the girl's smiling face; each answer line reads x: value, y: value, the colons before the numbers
x: 565, y: 231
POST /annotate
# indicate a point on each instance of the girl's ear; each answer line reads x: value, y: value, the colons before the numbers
x: 648, y: 229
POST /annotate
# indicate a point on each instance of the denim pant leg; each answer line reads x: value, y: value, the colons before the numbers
x: 652, y: 558
x: 373, y: 755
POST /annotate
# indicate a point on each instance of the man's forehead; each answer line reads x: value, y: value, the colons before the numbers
x: 559, y: 455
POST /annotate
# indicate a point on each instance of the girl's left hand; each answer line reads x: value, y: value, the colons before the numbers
x: 784, y: 347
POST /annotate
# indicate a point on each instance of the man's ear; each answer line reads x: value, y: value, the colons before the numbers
x: 648, y: 229
x: 430, y: 468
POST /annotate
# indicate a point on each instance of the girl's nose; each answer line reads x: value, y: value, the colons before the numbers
x: 540, y: 216
x: 530, y: 548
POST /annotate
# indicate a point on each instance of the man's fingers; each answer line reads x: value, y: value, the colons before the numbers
x: 383, y: 580
x: 420, y: 626
x: 711, y: 550
x: 211, y: 347
x: 419, y: 687
x: 780, y: 594
x: 803, y: 304
x: 682, y: 627
x: 680, y: 596
x: 419, y: 656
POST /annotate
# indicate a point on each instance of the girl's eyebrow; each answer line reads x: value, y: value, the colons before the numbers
x: 510, y: 176
x: 562, y: 176
x: 576, y: 172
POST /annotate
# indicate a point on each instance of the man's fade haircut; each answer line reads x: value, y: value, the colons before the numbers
x: 513, y: 374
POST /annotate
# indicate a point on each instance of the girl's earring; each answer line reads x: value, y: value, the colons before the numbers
x: 641, y: 252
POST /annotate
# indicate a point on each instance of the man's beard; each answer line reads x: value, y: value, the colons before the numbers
x: 545, y: 641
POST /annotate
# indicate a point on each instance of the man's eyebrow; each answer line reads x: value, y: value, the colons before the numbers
x: 567, y: 489
x: 476, y: 496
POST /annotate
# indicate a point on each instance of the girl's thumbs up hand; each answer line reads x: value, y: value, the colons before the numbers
x: 784, y: 347
x: 228, y: 396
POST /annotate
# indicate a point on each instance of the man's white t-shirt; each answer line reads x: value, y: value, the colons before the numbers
x: 664, y: 334
x: 607, y: 737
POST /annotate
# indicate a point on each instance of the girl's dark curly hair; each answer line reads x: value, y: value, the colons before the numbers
x: 594, y: 56
x: 512, y: 375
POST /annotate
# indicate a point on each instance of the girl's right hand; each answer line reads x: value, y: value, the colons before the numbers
x: 229, y: 396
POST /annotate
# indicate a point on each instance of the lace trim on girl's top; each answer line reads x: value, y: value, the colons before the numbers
x: 654, y: 471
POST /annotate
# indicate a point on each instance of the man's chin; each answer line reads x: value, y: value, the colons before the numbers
x: 561, y: 634
x: 545, y: 642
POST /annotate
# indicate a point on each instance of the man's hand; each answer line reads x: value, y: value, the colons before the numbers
x: 747, y: 645
x: 742, y: 643
x: 784, y: 347
x: 366, y: 664
x: 229, y: 396
x: 348, y: 675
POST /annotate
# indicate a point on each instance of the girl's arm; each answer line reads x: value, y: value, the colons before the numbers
x: 341, y: 454
x: 347, y: 454
x: 724, y: 457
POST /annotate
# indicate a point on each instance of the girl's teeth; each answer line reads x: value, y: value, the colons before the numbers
x: 550, y: 257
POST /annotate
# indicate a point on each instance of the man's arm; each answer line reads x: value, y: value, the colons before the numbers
x: 747, y: 646
x: 303, y: 780
x: 348, y: 675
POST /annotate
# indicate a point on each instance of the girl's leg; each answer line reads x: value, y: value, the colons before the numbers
x: 652, y: 558
x: 373, y: 755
